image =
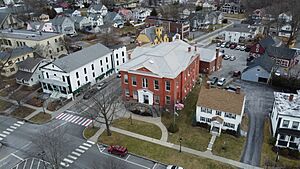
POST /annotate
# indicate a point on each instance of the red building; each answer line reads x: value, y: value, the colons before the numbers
x: 161, y: 74
x: 260, y: 47
x: 210, y: 60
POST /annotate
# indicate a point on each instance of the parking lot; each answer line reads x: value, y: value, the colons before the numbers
x: 32, y: 163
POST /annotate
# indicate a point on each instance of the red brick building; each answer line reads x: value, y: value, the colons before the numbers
x: 210, y: 60
x: 161, y: 74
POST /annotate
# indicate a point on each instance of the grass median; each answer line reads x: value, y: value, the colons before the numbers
x: 4, y: 105
x: 22, y: 112
x: 160, y: 153
x: 41, y: 118
x: 90, y: 131
x: 139, y: 127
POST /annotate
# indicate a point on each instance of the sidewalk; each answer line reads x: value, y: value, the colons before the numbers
x: 206, y: 154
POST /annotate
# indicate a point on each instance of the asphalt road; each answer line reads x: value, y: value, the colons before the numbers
x: 259, y: 102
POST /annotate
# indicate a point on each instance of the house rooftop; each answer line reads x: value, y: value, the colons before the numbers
x: 80, y: 58
x: 264, y: 61
x: 168, y: 59
x: 15, y: 52
x: 30, y: 63
x: 222, y: 100
x: 287, y: 106
x: 239, y: 28
x: 281, y: 52
x: 29, y: 35
x: 207, y: 55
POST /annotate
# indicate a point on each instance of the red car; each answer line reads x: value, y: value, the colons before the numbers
x: 232, y: 46
x: 118, y: 150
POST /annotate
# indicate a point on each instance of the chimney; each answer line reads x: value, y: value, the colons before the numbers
x: 129, y: 56
x: 238, y: 90
x: 208, y: 85
x: 291, y: 97
x: 218, y: 61
x: 195, y: 48
x: 189, y: 49
x: 217, y: 52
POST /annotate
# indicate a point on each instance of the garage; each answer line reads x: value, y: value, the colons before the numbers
x: 262, y: 79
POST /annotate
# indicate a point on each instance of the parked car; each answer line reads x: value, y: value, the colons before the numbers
x: 232, y: 58
x: 223, y: 45
x: 214, y: 80
x: 221, y: 81
x: 173, y: 167
x: 236, y: 73
x: 102, y: 85
x: 89, y: 94
x: 227, y: 45
x: 231, y: 88
x: 218, y: 44
x: 242, y: 48
x: 118, y: 150
x: 250, y: 58
x: 226, y: 57
x: 238, y: 47
x: 248, y: 48
x: 233, y: 46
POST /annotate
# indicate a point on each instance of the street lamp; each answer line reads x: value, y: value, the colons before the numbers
x: 180, y: 140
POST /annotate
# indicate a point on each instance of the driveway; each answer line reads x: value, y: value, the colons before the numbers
x: 259, y: 102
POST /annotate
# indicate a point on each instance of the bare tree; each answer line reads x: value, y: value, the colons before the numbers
x: 108, y: 38
x: 51, y: 146
x: 104, y: 106
x: 170, y: 11
x: 4, y: 62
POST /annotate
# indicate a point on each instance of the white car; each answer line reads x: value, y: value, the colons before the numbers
x: 238, y: 47
x: 221, y: 81
x: 102, y: 85
x: 232, y: 58
x: 223, y: 45
x: 173, y: 167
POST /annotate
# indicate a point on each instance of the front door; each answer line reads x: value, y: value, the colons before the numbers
x: 146, y: 99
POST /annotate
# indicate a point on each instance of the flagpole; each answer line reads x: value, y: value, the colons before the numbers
x: 174, y: 114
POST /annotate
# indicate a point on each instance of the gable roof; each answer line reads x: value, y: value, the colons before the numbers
x: 28, y: 35
x: 96, y: 7
x: 222, y: 100
x: 30, y: 63
x: 111, y: 16
x: 59, y: 20
x: 207, y: 55
x: 268, y: 41
x: 3, y: 16
x: 281, y: 52
x: 168, y: 59
x: 264, y: 61
x: 15, y: 52
x: 82, y: 57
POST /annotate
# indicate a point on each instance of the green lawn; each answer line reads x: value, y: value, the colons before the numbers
x: 160, y: 153
x: 90, y: 131
x: 193, y: 137
x: 139, y: 127
x: 22, y: 112
x: 4, y: 105
x: 41, y: 118
x: 269, y: 156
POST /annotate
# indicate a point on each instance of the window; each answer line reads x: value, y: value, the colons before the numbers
x: 47, y: 75
x: 219, y: 113
x: 77, y: 75
x: 107, y: 67
x: 282, y: 137
x: 86, y: 78
x: 168, y: 100
x: 57, y: 49
x: 48, y: 43
x: 285, y: 123
x: 133, y: 79
x: 102, y: 70
x: 145, y: 83
x: 55, y: 40
x: 12, y: 69
x: 295, y: 125
x: 127, y: 92
x: 208, y: 120
x: 117, y: 63
x: 61, y: 48
x: 23, y: 57
x: 78, y: 83
x: 63, y: 77
x: 84, y: 70
x: 125, y: 78
x: 92, y: 66
x: 156, y: 85
x: 229, y: 115
x: 54, y: 74
x: 122, y: 53
x: 123, y: 60
x: 156, y: 99
x: 101, y: 62
x: 202, y: 118
x: 106, y: 59
x: 209, y: 111
x: 50, y: 51
x: 117, y: 56
x: 229, y: 125
x: 135, y: 94
x: 168, y: 86
x: 292, y: 139
x: 93, y: 74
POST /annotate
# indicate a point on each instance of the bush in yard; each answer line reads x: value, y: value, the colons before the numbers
x: 284, y: 152
x: 272, y: 141
x: 294, y: 154
x: 173, y: 128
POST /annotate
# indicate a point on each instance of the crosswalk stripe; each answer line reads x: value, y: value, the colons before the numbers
x: 82, y: 121
x: 13, y: 127
x: 84, y: 148
x: 1, y: 138
x: 79, y: 150
x: 75, y: 153
x: 16, y: 124
x: 68, y: 160
x: 61, y: 114
x: 64, y: 164
x: 70, y: 156
x: 77, y: 121
x: 91, y: 142
x: 20, y: 122
x: 2, y: 135
x: 88, y: 123
x: 6, y: 132
x: 71, y: 119
x: 88, y: 145
x: 77, y: 117
x: 67, y: 118
x: 8, y: 129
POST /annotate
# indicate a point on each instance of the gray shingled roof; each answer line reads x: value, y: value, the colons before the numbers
x: 15, y: 52
x: 29, y: 35
x: 268, y: 41
x: 281, y: 52
x: 22, y: 75
x: 30, y: 63
x: 82, y: 57
x: 264, y: 61
x: 2, y: 17
x: 96, y: 7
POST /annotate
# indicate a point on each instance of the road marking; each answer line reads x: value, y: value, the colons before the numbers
x: 32, y: 163
x: 127, y: 157
x: 8, y: 129
x: 59, y: 116
x: 77, y: 117
x: 59, y: 126
x: 1, y: 138
x: 17, y: 156
x: 3, y: 135
x: 16, y: 124
x: 68, y: 160
x: 88, y: 145
x: 91, y: 142
x: 154, y: 166
x: 20, y: 122
x: 88, y: 123
x: 84, y: 119
x: 84, y: 148
x: 38, y: 166
x: 66, y: 119
x: 71, y: 118
x: 25, y: 164
x: 6, y: 132
x: 75, y: 153
x: 77, y: 121
x: 13, y: 127
x: 70, y: 156
x: 64, y: 164
x: 79, y: 150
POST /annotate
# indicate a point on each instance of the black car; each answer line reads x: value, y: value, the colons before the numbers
x: 250, y: 58
x: 89, y: 94
x: 214, y: 80
x: 248, y: 48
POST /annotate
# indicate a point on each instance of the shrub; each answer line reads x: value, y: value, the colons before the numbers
x: 173, y: 128
x: 294, y: 154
